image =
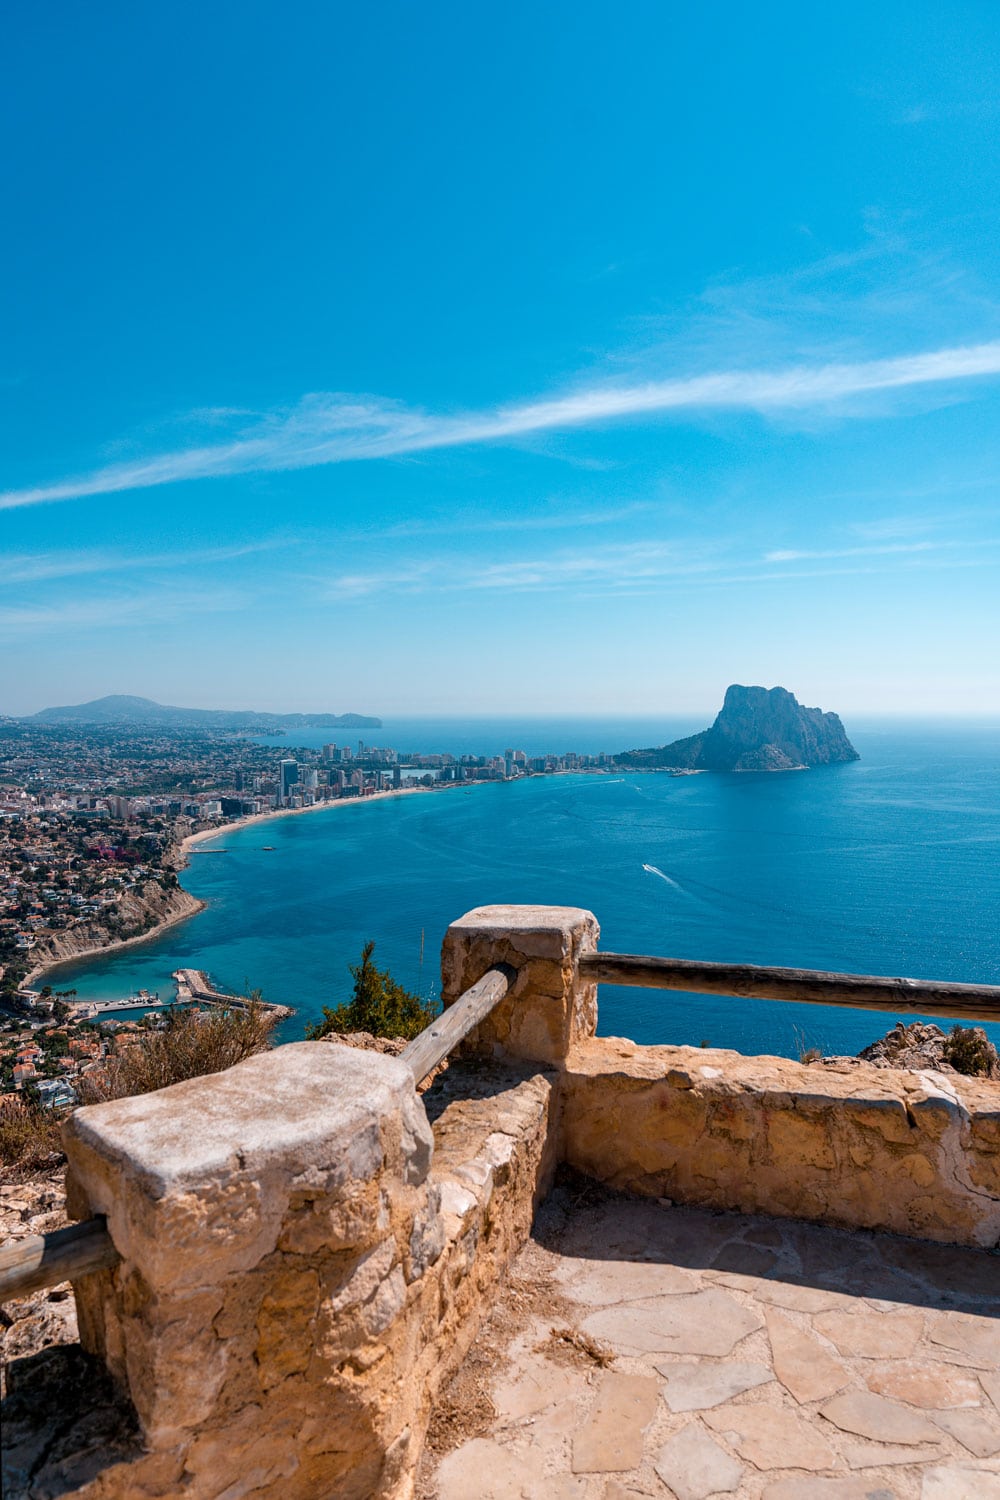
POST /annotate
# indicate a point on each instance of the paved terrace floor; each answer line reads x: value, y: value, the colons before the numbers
x: 642, y: 1349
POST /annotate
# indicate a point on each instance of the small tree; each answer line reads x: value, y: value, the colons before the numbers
x: 379, y: 1005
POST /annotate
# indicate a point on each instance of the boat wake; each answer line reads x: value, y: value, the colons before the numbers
x: 652, y: 870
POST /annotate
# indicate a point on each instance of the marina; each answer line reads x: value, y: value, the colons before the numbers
x: 142, y: 1000
x: 193, y: 987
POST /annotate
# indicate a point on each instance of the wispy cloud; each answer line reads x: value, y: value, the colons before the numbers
x: 563, y: 520
x: 41, y: 567
x: 329, y: 429
x: 114, y: 611
x: 646, y: 565
x: 611, y: 566
x: 796, y: 554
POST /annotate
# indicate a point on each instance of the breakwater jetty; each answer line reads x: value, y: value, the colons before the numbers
x: 195, y: 985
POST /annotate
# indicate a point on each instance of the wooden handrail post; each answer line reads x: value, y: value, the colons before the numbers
x: 44, y: 1260
x: 270, y: 1220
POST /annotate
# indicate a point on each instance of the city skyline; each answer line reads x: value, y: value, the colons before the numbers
x: 413, y: 364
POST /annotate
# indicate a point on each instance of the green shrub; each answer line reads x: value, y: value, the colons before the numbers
x: 969, y: 1051
x: 379, y: 1005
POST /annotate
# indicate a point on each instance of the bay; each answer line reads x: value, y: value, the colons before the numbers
x: 888, y: 865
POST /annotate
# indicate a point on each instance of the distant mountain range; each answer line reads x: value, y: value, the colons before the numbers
x: 121, y: 708
x: 757, y: 729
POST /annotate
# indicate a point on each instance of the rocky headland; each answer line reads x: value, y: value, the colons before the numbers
x: 757, y: 729
x: 137, y: 915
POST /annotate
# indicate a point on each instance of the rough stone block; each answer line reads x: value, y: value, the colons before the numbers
x: 873, y: 1149
x: 549, y: 1007
x: 264, y: 1216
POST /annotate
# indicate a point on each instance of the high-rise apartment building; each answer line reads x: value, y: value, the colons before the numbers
x: 288, y: 775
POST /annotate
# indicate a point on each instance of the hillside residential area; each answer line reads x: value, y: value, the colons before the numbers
x: 92, y: 827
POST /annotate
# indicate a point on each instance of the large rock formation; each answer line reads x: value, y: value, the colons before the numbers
x: 758, y: 729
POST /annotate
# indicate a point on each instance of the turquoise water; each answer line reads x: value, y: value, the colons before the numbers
x: 889, y: 865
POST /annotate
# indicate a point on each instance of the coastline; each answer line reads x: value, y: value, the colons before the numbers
x: 295, y: 812
x: 41, y: 973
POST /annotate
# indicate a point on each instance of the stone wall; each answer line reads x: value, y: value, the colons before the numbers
x: 863, y: 1147
x: 297, y: 1278
x: 303, y: 1262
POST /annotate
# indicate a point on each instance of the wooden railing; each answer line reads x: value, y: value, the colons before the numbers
x: 971, y: 1002
x: 454, y: 1024
x: 46, y: 1259
x: 83, y: 1248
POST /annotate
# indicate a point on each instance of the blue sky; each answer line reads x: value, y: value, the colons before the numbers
x: 557, y: 358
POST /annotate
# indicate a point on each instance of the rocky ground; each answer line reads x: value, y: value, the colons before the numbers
x: 923, y: 1045
x: 48, y: 1319
x: 45, y: 1318
x: 646, y: 1350
x: 670, y: 1352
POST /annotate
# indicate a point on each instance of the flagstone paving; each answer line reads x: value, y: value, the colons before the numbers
x: 732, y: 1356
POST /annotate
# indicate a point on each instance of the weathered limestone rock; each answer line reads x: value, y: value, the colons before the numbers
x: 976, y: 1338
x: 535, y: 1385
x: 870, y: 1334
x: 607, y: 1282
x: 958, y: 1482
x: 612, y: 1439
x: 698, y: 1387
x: 914, y: 1153
x: 934, y: 1387
x: 549, y: 1006
x: 771, y: 1438
x: 830, y: 1489
x: 299, y: 1277
x: 709, y: 1322
x: 862, y: 1455
x: 264, y: 1218
x: 489, y: 1471
x: 923, y: 1045
x: 972, y: 1429
x: 872, y: 1416
x: 801, y: 1363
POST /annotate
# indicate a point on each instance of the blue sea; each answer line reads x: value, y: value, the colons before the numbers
x: 888, y: 866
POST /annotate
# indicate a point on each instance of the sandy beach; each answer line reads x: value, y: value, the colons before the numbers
x: 206, y: 834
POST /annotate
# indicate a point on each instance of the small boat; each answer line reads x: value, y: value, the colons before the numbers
x: 267, y: 848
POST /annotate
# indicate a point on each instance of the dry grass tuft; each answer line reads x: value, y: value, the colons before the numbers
x: 29, y: 1137
x: 570, y: 1345
x: 970, y: 1051
x: 192, y: 1044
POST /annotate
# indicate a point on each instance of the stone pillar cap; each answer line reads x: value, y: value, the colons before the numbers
x: 283, y: 1108
x: 521, y: 918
